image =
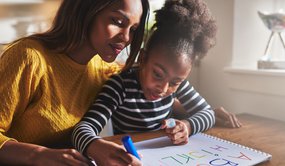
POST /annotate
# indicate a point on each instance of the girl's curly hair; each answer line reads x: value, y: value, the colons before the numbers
x: 183, y: 25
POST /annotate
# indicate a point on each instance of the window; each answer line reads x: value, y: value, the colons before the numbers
x: 251, y: 35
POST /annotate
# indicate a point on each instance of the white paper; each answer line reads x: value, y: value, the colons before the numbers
x: 201, y: 150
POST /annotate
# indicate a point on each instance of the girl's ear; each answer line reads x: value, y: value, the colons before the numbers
x: 141, y: 56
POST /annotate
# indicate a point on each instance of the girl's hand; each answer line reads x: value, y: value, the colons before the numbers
x: 106, y: 153
x: 226, y: 119
x: 179, y: 133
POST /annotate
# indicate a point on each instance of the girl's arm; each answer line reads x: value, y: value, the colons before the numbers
x: 93, y: 122
x: 85, y: 135
x: 195, y: 115
x: 200, y: 115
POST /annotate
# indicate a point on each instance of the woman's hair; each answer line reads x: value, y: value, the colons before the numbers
x: 72, y: 23
x: 183, y: 26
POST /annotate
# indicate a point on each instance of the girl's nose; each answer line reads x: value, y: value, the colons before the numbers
x: 164, y: 87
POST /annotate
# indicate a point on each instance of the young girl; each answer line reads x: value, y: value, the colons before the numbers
x: 140, y: 98
x: 49, y: 80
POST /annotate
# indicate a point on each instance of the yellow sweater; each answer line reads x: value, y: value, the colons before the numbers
x: 43, y: 95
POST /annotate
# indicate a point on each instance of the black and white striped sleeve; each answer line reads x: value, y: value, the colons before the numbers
x: 89, y: 128
x: 201, y: 116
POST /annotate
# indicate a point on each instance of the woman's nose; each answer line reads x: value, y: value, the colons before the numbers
x: 125, y: 35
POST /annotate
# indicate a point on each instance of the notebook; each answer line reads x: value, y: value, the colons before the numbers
x: 201, y: 150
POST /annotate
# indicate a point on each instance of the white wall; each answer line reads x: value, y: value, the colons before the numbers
x: 209, y: 76
x: 241, y: 41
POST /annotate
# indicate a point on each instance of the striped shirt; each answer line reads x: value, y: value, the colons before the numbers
x: 122, y: 100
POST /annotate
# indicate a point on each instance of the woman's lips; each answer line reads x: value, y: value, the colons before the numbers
x: 117, y: 48
x: 117, y: 51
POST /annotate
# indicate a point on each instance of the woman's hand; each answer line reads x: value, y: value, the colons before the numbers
x: 18, y: 153
x: 106, y: 153
x: 179, y: 133
x: 226, y: 119
x: 64, y: 157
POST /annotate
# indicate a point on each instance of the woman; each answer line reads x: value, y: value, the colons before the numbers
x: 52, y: 78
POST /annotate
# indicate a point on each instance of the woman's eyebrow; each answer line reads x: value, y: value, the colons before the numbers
x: 122, y: 13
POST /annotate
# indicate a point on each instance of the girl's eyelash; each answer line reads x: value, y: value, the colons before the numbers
x: 174, y: 84
x: 157, y: 75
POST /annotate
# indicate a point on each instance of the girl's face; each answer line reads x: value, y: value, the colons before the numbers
x: 160, y: 75
x: 114, y: 27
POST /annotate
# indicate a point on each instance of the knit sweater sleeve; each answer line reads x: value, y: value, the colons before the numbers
x: 200, y: 114
x: 18, y: 66
x: 89, y: 128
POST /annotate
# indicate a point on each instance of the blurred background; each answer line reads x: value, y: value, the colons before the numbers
x: 228, y: 76
x: 23, y: 17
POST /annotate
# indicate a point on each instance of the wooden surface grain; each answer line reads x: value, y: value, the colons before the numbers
x: 257, y: 132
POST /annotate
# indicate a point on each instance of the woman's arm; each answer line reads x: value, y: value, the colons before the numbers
x: 17, y: 153
x: 20, y: 75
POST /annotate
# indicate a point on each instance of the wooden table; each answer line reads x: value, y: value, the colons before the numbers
x: 260, y: 133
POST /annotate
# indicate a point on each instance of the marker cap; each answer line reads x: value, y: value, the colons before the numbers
x: 170, y: 123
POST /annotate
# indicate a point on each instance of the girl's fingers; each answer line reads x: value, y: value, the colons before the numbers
x: 163, y: 125
x: 226, y: 118
x: 178, y: 134
x: 232, y: 121
x: 180, y: 141
x: 126, y: 158
x: 235, y: 122
x: 180, y: 126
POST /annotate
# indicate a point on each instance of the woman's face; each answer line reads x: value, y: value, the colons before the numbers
x: 161, y: 75
x: 113, y: 28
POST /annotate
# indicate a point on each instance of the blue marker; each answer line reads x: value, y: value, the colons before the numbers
x: 128, y: 143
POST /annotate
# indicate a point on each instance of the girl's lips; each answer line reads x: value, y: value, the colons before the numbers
x: 154, y: 96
